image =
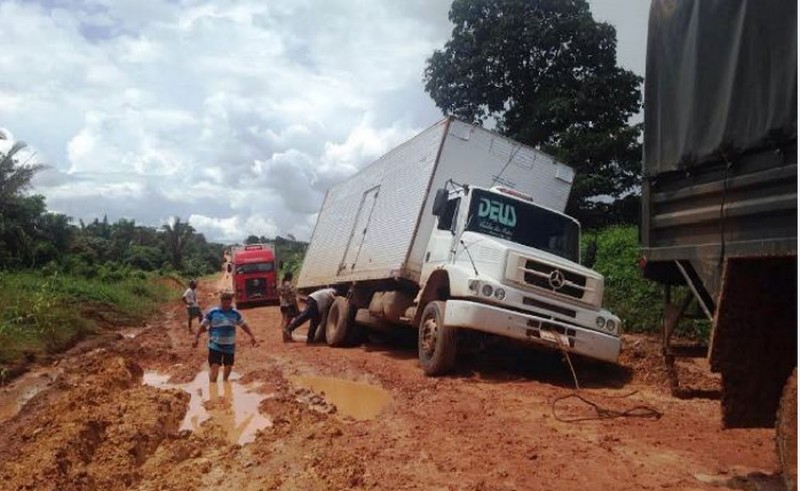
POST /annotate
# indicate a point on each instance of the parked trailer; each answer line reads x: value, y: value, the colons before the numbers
x: 459, y: 230
x: 720, y: 196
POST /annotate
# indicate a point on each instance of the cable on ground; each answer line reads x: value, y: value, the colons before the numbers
x: 601, y: 413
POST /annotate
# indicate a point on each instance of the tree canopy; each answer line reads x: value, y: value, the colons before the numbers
x: 545, y: 72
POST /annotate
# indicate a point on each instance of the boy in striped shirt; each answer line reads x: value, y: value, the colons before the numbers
x: 221, y: 323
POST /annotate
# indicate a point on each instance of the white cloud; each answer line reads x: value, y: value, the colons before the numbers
x: 237, y: 114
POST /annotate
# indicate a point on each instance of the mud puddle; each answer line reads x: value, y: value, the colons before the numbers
x: 15, y: 395
x: 230, y: 404
x: 352, y: 399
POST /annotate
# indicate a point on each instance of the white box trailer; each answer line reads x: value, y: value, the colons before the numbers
x: 458, y: 232
x: 374, y: 226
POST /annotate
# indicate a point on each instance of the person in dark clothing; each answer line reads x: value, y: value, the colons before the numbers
x: 317, y: 304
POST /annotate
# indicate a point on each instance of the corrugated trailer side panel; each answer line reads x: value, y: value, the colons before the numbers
x: 366, y: 225
x: 475, y: 156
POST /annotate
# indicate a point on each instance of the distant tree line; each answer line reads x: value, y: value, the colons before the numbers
x: 33, y: 238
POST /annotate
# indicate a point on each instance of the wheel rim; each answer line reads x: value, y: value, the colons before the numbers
x: 428, y: 335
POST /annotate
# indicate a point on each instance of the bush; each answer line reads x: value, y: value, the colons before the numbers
x: 46, y: 313
x: 637, y: 301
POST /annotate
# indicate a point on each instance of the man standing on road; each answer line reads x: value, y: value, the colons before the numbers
x: 316, y: 305
x: 192, y: 305
x: 287, y: 294
x: 221, y: 323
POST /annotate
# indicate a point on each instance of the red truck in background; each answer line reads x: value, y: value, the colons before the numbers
x: 255, y: 275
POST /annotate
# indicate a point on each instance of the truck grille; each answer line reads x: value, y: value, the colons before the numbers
x: 255, y: 288
x: 557, y: 280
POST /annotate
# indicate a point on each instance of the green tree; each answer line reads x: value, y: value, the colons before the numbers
x: 18, y: 212
x: 546, y: 73
x: 252, y: 239
x: 176, y: 236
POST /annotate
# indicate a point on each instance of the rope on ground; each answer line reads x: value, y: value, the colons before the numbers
x: 601, y: 413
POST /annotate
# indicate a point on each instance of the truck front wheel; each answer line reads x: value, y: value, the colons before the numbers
x: 437, y: 342
x: 340, y: 322
x: 786, y: 432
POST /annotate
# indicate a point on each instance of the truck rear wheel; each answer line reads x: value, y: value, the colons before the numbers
x: 340, y: 322
x: 437, y: 342
x: 786, y: 432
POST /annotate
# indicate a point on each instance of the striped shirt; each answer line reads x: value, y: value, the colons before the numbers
x: 221, y: 325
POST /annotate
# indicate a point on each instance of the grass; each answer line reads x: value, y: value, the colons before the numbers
x: 47, y: 313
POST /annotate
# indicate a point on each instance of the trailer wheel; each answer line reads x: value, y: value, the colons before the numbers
x: 786, y: 432
x: 340, y: 322
x: 320, y: 335
x: 437, y: 342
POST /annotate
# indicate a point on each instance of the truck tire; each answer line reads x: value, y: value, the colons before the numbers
x: 437, y: 342
x: 320, y: 335
x: 340, y: 322
x: 786, y: 432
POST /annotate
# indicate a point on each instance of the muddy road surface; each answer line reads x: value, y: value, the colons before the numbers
x: 139, y: 413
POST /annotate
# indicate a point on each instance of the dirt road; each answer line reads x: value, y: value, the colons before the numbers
x: 98, y: 425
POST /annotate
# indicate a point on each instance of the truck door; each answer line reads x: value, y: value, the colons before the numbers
x: 440, y: 245
x: 359, y: 231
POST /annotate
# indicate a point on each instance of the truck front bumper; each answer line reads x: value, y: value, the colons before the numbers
x: 532, y: 327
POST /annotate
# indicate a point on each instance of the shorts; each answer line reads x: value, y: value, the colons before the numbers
x: 290, y: 310
x: 219, y: 358
x: 194, y: 312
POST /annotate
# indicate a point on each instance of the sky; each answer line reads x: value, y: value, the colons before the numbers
x: 237, y: 115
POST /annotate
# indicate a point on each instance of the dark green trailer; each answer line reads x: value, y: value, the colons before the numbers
x: 719, y: 195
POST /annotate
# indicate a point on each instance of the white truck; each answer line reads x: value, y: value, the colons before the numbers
x: 458, y: 229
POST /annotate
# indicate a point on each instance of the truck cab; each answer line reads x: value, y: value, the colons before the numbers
x: 512, y: 269
x: 255, y: 275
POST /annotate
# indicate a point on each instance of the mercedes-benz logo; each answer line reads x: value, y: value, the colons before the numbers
x: 556, y: 279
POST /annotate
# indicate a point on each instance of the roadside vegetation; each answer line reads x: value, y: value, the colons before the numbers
x: 637, y: 301
x: 45, y: 313
x: 61, y: 280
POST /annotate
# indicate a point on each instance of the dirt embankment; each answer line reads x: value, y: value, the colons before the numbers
x: 490, y: 426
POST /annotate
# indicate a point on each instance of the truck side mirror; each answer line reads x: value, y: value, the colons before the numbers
x: 440, y: 202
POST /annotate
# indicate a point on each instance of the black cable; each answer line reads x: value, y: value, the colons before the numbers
x: 601, y: 413
x: 725, y: 186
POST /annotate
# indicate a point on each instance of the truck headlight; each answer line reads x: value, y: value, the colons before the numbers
x: 487, y: 290
x: 600, y: 322
x: 474, y: 286
x: 499, y: 294
x: 611, y: 326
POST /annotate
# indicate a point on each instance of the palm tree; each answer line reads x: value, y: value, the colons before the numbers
x: 14, y: 177
x: 176, y: 236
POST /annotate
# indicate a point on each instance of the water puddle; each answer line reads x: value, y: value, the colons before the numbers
x: 356, y: 400
x: 230, y: 404
x: 21, y: 390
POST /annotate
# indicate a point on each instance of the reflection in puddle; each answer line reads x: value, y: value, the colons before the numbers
x: 353, y: 399
x: 230, y: 404
x: 22, y: 390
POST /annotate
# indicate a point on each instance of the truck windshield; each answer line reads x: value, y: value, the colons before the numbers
x: 527, y: 224
x: 248, y: 268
